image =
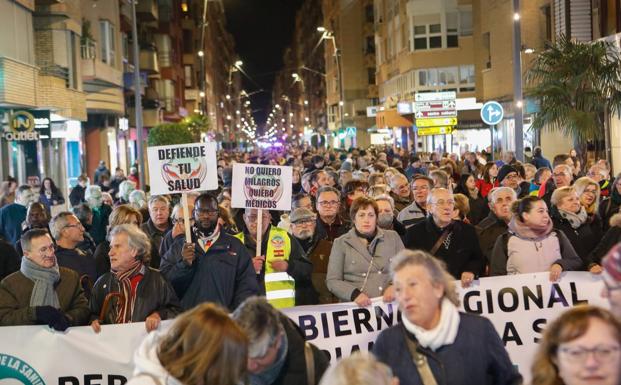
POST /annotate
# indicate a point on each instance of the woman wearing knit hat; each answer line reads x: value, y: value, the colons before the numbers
x: 612, y: 279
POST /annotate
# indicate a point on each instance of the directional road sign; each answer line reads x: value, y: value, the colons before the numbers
x: 492, y: 113
x: 430, y: 106
x: 436, y: 122
x: 425, y: 131
x: 433, y: 96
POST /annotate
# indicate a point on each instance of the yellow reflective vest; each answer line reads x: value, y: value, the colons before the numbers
x: 279, y: 286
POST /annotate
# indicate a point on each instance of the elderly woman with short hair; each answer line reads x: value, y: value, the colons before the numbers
x: 145, y: 294
x: 584, y: 231
x: 436, y: 342
x: 358, y: 264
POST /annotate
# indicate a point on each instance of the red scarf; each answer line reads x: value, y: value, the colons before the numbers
x: 124, y: 313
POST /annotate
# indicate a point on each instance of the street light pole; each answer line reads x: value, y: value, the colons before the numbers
x: 518, y: 103
x: 138, y: 99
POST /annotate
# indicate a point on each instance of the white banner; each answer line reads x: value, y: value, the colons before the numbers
x: 182, y: 168
x: 261, y: 187
x: 518, y: 306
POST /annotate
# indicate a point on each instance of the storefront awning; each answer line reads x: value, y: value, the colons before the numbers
x: 392, y: 118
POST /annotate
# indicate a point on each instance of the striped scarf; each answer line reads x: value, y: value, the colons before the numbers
x: 124, y: 312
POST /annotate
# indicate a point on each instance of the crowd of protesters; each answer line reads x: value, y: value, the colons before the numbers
x: 368, y: 223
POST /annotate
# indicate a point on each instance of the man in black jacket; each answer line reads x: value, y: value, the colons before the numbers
x: 489, y: 229
x: 213, y: 266
x: 276, y: 353
x: 157, y: 226
x: 146, y: 295
x: 454, y: 242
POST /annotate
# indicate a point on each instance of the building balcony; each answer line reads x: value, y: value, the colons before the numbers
x: 151, y: 117
x: 148, y: 61
x: 18, y: 83
x: 147, y: 10
x: 88, y: 49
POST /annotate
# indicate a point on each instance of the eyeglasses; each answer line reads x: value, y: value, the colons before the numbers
x: 420, y: 188
x: 559, y: 175
x: 592, y: 191
x: 602, y: 354
x: 442, y: 202
x: 328, y: 203
x: 77, y: 225
x: 304, y: 222
x: 511, y: 176
x: 181, y: 220
x: 209, y: 212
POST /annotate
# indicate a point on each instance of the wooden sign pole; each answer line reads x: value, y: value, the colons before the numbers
x: 259, y: 232
x: 186, y: 215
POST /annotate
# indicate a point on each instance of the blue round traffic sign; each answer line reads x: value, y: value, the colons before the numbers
x: 492, y: 113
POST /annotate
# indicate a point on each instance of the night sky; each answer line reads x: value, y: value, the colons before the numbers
x: 262, y: 29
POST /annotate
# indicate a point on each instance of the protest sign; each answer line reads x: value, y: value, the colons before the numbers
x: 519, y: 306
x: 182, y: 168
x: 258, y: 186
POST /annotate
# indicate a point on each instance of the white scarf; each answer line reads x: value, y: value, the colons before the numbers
x: 443, y: 334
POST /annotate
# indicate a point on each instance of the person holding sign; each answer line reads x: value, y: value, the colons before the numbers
x: 283, y: 272
x: 213, y: 266
x: 435, y: 343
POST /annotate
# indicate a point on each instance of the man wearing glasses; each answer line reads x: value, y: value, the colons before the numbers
x: 41, y: 292
x: 212, y: 266
x: 330, y: 225
x: 68, y: 232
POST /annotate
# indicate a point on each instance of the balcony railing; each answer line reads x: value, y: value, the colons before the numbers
x: 88, y: 49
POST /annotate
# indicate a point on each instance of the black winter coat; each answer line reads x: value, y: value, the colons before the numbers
x: 153, y: 294
x: 476, y: 357
x: 583, y: 239
x: 223, y: 275
x: 488, y: 230
x: 610, y: 239
x: 463, y: 253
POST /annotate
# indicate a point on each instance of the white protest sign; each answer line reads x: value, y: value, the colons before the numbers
x: 519, y: 306
x: 259, y: 186
x: 182, y: 168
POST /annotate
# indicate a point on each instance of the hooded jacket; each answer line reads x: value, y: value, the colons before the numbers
x: 516, y: 253
x: 147, y: 367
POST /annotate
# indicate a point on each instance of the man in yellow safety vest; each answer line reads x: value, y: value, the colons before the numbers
x: 283, y: 271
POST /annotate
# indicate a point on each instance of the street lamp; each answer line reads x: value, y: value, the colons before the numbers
x: 517, y: 83
x: 328, y: 35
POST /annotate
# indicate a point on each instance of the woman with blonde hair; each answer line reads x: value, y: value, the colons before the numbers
x: 584, y: 231
x: 203, y: 346
x: 582, y: 346
x: 589, y: 193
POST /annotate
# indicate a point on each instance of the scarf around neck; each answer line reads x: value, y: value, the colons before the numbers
x: 523, y: 231
x: 125, y: 309
x: 43, y: 293
x: 443, y: 334
x: 575, y: 219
